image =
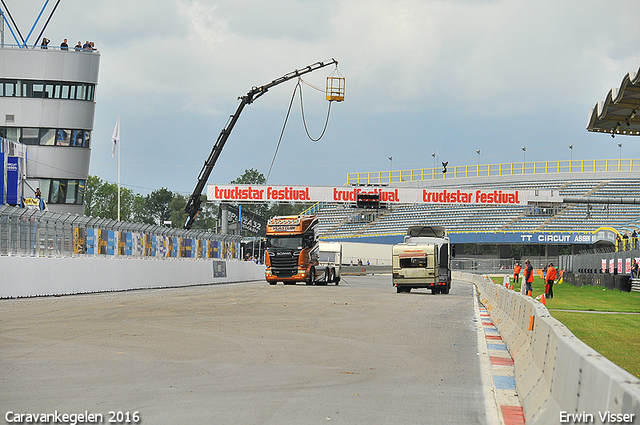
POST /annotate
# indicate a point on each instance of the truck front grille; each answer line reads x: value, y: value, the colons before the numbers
x: 284, y: 267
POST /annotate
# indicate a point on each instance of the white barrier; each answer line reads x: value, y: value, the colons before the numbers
x: 36, y: 276
x: 557, y: 375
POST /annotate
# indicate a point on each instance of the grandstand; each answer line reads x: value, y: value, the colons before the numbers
x: 601, y: 178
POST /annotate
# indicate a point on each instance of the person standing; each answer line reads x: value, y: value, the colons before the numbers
x: 551, y: 277
x: 516, y: 273
x: 528, y: 276
x: 64, y: 45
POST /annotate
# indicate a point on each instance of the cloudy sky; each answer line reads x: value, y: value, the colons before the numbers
x: 448, y: 76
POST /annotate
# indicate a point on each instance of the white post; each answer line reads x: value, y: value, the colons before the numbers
x: 119, y: 140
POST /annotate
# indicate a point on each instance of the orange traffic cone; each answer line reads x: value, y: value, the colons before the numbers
x: 529, y: 293
x: 511, y: 287
x: 542, y: 300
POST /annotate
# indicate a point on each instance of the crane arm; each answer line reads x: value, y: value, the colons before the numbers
x: 193, y: 204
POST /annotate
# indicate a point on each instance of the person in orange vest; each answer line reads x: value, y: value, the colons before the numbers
x: 551, y: 277
x: 528, y: 276
x: 516, y: 272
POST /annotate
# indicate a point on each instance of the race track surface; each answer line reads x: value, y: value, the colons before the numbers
x: 248, y: 353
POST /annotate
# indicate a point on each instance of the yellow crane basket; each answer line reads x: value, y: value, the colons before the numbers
x: 335, y: 86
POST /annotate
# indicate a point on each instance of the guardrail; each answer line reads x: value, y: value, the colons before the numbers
x: 35, y: 233
x: 71, y: 48
x: 557, y: 375
x: 488, y: 170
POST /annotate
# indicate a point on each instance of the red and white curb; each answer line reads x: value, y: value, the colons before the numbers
x: 498, y: 373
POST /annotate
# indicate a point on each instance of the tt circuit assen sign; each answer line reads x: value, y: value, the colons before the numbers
x: 601, y: 235
x: 264, y: 193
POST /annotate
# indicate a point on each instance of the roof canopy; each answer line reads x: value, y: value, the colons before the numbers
x: 617, y: 113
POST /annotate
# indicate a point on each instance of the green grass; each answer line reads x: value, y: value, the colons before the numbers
x: 615, y: 336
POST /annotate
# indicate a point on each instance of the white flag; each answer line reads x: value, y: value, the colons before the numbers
x: 116, y: 137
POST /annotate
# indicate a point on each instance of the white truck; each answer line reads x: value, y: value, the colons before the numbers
x: 423, y: 260
x: 330, y: 260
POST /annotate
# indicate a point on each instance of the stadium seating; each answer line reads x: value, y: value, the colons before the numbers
x: 344, y: 221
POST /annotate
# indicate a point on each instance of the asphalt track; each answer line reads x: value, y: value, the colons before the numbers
x: 248, y: 353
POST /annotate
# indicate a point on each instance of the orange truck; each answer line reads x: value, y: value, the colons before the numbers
x: 293, y: 251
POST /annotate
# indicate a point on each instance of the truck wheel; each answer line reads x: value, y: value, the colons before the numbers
x: 336, y: 279
x: 434, y: 291
x: 312, y: 275
x: 446, y: 289
x: 272, y: 283
x: 327, y: 277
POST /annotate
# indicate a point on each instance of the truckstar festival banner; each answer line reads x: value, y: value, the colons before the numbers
x: 389, y: 195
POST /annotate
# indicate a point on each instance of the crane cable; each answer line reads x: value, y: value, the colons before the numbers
x: 281, y: 133
x: 304, y: 121
x: 286, y: 119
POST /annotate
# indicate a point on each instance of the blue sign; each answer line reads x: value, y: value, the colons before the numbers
x: 91, y: 242
x: 13, y: 181
x: 1, y: 177
x: 128, y: 244
x: 111, y: 242
x: 562, y: 238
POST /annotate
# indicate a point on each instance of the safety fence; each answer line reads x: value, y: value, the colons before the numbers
x: 498, y: 265
x: 35, y: 233
x: 556, y: 373
x: 489, y: 170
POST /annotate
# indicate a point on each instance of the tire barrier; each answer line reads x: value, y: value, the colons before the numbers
x: 558, y: 377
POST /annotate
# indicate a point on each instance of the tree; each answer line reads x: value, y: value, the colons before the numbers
x: 206, y: 219
x: 286, y: 208
x: 93, y: 183
x: 250, y: 176
x: 177, y: 214
x: 157, y: 203
x: 101, y: 199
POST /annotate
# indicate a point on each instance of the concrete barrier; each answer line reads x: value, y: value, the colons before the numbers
x: 37, y: 276
x: 557, y: 375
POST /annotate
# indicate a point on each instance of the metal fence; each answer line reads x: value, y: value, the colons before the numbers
x: 498, y: 265
x: 35, y: 233
x: 487, y: 170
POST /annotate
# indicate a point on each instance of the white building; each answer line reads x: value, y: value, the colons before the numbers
x: 47, y: 101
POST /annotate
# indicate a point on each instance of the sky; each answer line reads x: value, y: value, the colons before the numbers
x: 448, y: 77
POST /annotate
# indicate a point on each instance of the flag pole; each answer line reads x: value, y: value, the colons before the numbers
x: 119, y: 171
x: 115, y: 140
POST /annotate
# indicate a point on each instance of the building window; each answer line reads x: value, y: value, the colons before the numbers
x: 72, y: 192
x: 48, y: 136
x: 29, y: 136
x: 62, y: 191
x: 47, y: 89
x: 10, y: 88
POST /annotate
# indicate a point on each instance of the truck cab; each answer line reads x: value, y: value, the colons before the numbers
x: 293, y: 252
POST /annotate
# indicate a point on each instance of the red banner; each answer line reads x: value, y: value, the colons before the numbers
x: 389, y: 195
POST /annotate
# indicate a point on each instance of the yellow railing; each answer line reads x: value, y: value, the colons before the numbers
x: 490, y: 170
